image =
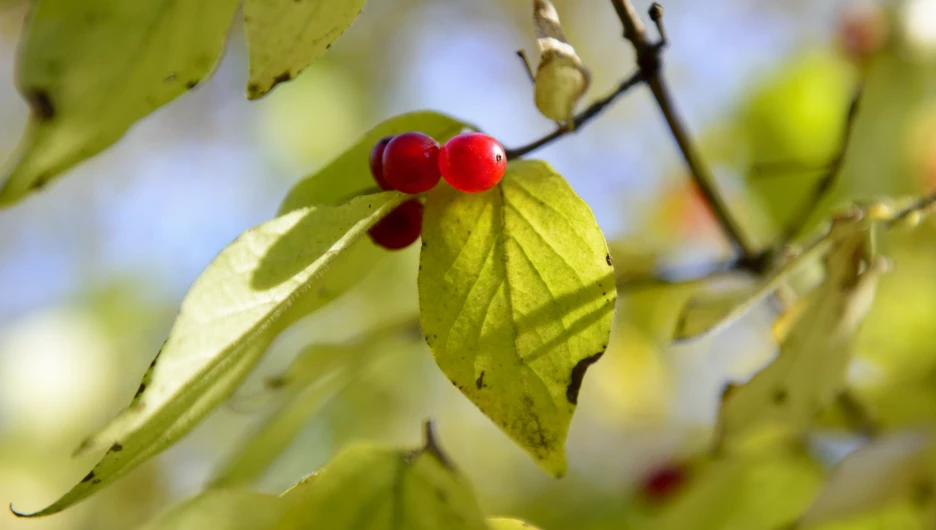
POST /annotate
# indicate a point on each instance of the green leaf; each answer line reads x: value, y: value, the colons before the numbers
x: 367, y: 487
x: 90, y: 69
x: 809, y: 372
x: 285, y: 36
x: 349, y: 175
x: 222, y: 510
x: 516, y: 295
x: 317, y: 375
x: 872, y: 476
x: 262, y: 282
x: 504, y: 523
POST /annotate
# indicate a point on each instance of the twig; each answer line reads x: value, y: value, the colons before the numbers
x: 580, y: 119
x: 828, y: 180
x: 648, y: 59
x: 526, y: 64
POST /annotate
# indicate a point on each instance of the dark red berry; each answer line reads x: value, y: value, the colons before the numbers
x: 663, y: 482
x: 411, y: 162
x: 472, y: 162
x: 376, y: 162
x: 400, y: 228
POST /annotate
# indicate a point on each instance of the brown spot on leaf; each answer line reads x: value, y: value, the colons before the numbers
x: 480, y: 381
x: 608, y: 259
x: 780, y: 396
x: 191, y: 84
x: 40, y: 102
x: 140, y: 390
x: 578, y: 373
x: 116, y: 448
x: 88, y: 477
x: 282, y: 78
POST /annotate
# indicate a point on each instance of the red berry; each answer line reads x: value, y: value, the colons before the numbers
x: 376, y: 162
x: 472, y: 162
x: 411, y: 162
x: 663, y: 482
x: 400, y: 228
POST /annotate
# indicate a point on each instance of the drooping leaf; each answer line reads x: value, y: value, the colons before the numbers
x: 809, y: 373
x: 222, y: 510
x: 285, y: 36
x: 349, y: 175
x: 561, y: 77
x: 262, y: 282
x: 367, y: 487
x: 710, y: 314
x: 90, y: 69
x: 516, y: 295
x: 317, y: 375
x: 872, y: 476
x: 505, y: 523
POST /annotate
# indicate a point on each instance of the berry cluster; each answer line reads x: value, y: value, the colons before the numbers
x: 413, y: 163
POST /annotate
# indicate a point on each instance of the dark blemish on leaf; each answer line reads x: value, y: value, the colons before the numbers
x: 282, y: 78
x: 327, y: 46
x: 608, y: 259
x: 253, y: 88
x: 40, y: 181
x: 88, y: 477
x: 140, y: 390
x: 480, y: 381
x: 728, y: 390
x: 578, y: 373
x: 191, y: 84
x: 277, y: 381
x: 116, y: 448
x: 95, y: 482
x: 780, y: 396
x: 41, y: 104
x: 170, y: 78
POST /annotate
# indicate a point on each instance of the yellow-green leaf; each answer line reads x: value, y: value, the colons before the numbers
x: 505, y: 523
x: 516, y: 295
x: 872, y: 476
x: 371, y: 488
x: 90, y: 69
x: 262, y: 282
x: 349, y: 175
x: 222, y: 510
x: 809, y: 372
x: 318, y: 373
x: 285, y: 36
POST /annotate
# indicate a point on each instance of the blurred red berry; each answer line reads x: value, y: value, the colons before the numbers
x: 663, y: 482
x: 472, y: 162
x: 411, y: 162
x: 400, y: 228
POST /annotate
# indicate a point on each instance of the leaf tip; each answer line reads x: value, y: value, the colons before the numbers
x: 18, y: 514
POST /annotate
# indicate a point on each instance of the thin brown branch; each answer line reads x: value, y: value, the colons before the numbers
x: 648, y: 59
x: 581, y: 119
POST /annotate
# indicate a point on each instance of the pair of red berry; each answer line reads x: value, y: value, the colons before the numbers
x: 413, y: 163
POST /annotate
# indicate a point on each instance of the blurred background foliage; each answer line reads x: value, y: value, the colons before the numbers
x: 93, y: 269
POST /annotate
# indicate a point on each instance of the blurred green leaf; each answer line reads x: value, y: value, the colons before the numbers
x: 517, y: 293
x: 885, y: 469
x: 504, y: 523
x: 349, y: 175
x: 762, y: 492
x: 262, y: 282
x: 366, y: 487
x: 90, y: 69
x: 809, y: 372
x: 222, y: 510
x: 284, y: 36
x: 318, y: 373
